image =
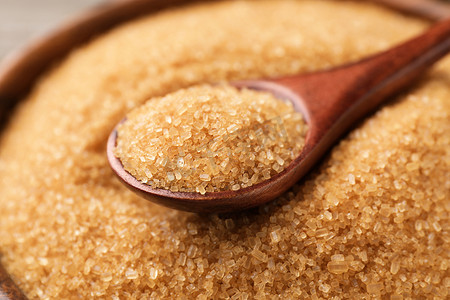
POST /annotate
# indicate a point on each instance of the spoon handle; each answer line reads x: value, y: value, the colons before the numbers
x: 430, y: 9
x: 339, y: 97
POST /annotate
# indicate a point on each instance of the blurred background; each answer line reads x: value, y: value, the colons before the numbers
x: 21, y: 20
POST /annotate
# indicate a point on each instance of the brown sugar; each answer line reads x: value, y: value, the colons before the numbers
x: 209, y: 139
x: 372, y: 221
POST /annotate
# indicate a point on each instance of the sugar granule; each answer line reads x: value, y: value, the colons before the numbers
x: 209, y: 139
x: 70, y: 230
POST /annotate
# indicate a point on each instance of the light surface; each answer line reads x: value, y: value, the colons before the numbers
x: 21, y: 20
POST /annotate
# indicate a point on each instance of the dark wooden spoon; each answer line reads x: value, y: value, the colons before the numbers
x: 331, y: 102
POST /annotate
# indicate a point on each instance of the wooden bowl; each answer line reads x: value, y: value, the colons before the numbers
x: 20, y: 70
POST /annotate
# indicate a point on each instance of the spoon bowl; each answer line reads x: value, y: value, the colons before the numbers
x: 223, y: 201
x: 331, y: 102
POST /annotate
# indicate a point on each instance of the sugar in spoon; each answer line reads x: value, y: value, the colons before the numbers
x: 331, y: 102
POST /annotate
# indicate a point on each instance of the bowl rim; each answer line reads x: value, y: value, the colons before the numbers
x: 21, y: 68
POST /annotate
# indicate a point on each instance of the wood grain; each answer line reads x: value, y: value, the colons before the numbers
x: 430, y: 9
x: 8, y: 289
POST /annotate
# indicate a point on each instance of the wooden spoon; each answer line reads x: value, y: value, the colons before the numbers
x: 331, y: 101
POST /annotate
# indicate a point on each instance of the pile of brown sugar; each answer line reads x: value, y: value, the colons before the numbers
x: 371, y: 222
x: 209, y: 139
